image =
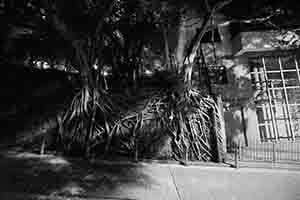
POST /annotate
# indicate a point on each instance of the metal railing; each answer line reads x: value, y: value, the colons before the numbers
x: 270, y: 151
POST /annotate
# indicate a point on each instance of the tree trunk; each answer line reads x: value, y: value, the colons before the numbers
x: 181, y: 43
x: 86, y: 52
x: 222, y: 129
x: 167, y: 51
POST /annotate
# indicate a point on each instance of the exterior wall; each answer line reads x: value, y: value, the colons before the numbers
x: 238, y: 94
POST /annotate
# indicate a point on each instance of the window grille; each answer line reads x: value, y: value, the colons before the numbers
x: 276, y: 80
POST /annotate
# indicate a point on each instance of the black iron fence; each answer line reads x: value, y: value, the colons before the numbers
x: 271, y: 151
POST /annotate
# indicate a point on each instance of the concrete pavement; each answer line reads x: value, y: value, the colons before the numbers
x: 230, y: 184
x: 55, y: 178
x: 171, y: 182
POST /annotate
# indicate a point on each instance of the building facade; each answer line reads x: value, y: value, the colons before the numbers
x: 262, y: 96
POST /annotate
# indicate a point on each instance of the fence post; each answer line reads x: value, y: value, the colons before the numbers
x: 136, y: 153
x: 236, y: 149
x: 298, y: 152
x: 240, y: 150
x: 274, y: 151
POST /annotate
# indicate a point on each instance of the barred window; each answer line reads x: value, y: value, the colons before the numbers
x: 276, y: 80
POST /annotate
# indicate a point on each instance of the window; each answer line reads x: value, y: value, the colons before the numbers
x: 276, y: 80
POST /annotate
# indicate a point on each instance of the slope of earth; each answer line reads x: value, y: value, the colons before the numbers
x: 30, y: 100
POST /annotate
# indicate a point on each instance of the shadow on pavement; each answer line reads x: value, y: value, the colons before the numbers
x: 26, y: 174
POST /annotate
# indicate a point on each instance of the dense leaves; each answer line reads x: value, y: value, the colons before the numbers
x: 124, y: 38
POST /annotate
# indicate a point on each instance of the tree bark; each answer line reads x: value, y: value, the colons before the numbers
x: 195, y: 43
x: 167, y: 51
x: 181, y: 43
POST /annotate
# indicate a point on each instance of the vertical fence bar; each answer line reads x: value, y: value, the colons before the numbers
x: 288, y: 146
x: 267, y: 151
x: 287, y: 150
x: 251, y: 150
x: 264, y: 149
x: 279, y: 147
x: 236, y: 164
x: 298, y: 153
x: 295, y: 151
x: 282, y: 149
x: 298, y: 150
x: 255, y: 151
x: 278, y: 153
x: 274, y: 151
x: 292, y: 152
x: 284, y: 152
x: 240, y: 151
x: 136, y: 153
x: 270, y: 151
x: 258, y: 150
x: 286, y: 155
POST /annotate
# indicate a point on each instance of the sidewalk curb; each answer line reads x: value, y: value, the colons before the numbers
x: 270, y: 165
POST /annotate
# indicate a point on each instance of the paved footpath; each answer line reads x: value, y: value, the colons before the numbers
x: 55, y: 178
x: 214, y: 183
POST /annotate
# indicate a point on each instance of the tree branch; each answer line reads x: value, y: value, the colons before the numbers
x: 252, y: 20
x: 107, y: 11
x: 68, y: 35
x: 194, y: 45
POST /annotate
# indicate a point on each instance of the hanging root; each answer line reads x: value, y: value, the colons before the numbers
x: 187, y: 120
x: 85, y: 120
x: 182, y: 113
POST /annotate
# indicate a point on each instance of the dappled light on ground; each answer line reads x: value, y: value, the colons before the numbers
x: 27, y: 176
x: 52, y: 176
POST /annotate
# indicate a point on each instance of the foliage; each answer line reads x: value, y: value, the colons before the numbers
x: 114, y: 33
